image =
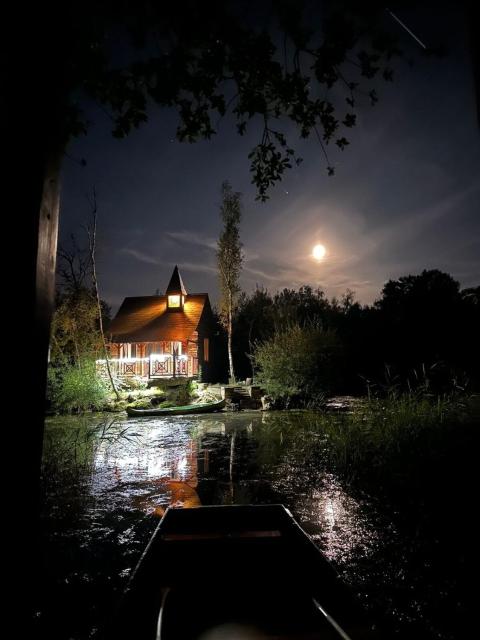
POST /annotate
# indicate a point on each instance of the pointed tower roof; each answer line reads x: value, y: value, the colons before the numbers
x: 176, y: 286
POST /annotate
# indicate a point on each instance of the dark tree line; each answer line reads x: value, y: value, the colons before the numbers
x: 422, y: 326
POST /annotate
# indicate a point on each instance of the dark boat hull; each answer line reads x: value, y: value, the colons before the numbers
x: 191, y: 409
x: 249, y: 566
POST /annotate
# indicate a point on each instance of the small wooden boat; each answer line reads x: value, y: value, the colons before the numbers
x: 236, y: 572
x: 188, y: 409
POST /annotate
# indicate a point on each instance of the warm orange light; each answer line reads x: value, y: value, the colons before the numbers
x: 174, y: 301
x: 319, y: 252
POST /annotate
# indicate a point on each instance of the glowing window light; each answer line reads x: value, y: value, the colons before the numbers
x: 174, y: 302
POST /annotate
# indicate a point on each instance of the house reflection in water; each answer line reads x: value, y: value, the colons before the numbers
x: 183, y: 494
x: 208, y: 468
x: 209, y: 460
x: 183, y: 491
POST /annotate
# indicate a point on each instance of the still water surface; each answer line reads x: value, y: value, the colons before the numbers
x: 108, y: 480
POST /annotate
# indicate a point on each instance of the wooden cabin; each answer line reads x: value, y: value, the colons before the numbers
x: 163, y: 336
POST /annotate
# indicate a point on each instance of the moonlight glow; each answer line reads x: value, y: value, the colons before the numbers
x: 319, y: 252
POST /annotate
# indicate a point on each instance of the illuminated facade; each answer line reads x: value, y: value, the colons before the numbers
x: 162, y: 336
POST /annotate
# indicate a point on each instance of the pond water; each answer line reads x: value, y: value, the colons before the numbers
x: 107, y: 481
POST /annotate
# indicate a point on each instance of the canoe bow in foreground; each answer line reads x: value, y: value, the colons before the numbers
x: 249, y: 570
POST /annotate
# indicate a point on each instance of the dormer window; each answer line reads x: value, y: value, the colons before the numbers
x: 175, y: 301
x: 176, y: 291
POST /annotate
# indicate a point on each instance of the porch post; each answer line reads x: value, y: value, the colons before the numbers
x: 174, y: 355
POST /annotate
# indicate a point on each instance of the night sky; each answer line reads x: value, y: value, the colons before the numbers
x: 405, y: 197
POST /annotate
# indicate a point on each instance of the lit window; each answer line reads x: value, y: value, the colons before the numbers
x: 173, y: 301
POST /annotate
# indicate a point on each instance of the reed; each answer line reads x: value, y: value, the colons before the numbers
x: 70, y: 449
x: 392, y: 440
x: 386, y: 438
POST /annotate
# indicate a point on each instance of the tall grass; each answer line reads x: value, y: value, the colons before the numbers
x: 393, y: 441
x: 385, y: 438
x: 70, y: 450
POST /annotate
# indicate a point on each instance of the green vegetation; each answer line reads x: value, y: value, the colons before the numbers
x: 391, y: 438
x: 403, y: 443
x: 229, y: 262
x: 75, y: 332
x: 298, y: 366
x: 76, y: 338
x: 76, y: 387
x: 71, y: 445
x: 69, y: 453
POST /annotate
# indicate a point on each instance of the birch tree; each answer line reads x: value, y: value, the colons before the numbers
x: 229, y: 260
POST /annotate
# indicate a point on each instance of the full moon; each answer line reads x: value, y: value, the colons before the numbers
x: 319, y: 252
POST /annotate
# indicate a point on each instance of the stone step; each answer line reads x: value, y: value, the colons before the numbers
x: 243, y: 395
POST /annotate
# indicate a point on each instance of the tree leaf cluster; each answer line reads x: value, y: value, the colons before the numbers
x: 229, y: 250
x: 263, y: 66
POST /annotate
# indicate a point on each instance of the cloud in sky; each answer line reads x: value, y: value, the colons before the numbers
x: 140, y: 256
x: 189, y: 237
x: 195, y: 266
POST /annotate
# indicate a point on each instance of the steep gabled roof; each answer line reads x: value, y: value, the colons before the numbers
x: 176, y: 284
x: 147, y: 319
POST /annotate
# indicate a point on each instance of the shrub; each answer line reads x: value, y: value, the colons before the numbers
x: 76, y: 387
x: 299, y: 365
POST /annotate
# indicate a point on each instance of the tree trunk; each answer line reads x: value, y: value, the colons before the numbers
x: 32, y: 229
x: 92, y: 236
x: 44, y: 250
x: 229, y: 334
x: 251, y: 349
x: 35, y: 115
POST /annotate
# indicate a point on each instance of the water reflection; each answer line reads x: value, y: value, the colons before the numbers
x: 346, y: 530
x: 99, y: 517
x: 156, y: 466
x: 148, y: 464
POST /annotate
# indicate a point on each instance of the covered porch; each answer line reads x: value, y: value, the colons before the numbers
x: 147, y: 360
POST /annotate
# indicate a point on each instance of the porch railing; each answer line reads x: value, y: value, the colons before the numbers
x: 155, y: 366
